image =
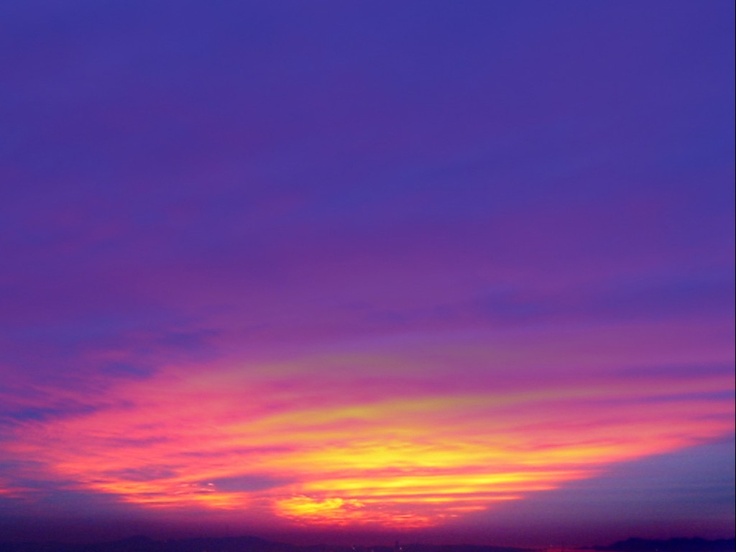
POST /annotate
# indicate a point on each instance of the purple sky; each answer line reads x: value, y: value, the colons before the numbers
x: 485, y: 247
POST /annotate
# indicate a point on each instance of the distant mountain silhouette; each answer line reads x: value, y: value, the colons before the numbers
x: 255, y: 544
x: 671, y: 545
x: 231, y: 544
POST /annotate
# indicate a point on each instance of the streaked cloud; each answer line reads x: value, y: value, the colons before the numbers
x: 360, y: 265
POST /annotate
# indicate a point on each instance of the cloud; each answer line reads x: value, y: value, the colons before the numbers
x: 259, y: 265
x: 254, y: 442
x: 249, y: 483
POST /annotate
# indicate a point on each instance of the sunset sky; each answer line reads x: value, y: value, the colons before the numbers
x: 367, y: 269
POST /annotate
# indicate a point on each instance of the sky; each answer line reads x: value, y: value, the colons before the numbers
x: 339, y: 269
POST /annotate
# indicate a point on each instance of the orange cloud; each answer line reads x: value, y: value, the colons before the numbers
x: 227, y: 440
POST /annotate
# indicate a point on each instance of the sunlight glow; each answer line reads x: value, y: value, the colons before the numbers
x: 326, y: 457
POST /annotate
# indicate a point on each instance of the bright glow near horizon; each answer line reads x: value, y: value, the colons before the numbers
x: 373, y: 455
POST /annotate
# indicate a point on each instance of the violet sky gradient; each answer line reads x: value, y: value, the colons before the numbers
x: 257, y: 254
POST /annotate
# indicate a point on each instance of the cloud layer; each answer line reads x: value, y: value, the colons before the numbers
x: 364, y: 265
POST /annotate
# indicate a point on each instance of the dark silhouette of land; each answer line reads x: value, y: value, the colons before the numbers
x: 671, y: 545
x: 255, y: 544
x: 231, y: 544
